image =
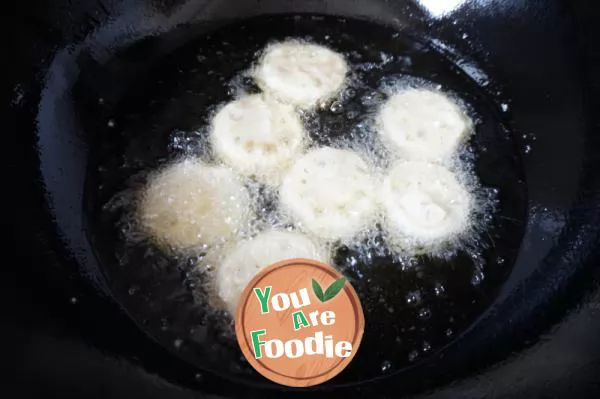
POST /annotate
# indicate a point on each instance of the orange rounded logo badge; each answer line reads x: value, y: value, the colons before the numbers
x: 299, y: 322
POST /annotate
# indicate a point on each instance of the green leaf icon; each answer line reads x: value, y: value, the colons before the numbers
x: 334, y: 289
x: 318, y: 290
x: 331, y: 292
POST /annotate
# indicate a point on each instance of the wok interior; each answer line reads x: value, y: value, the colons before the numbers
x: 551, y: 169
x: 415, y: 306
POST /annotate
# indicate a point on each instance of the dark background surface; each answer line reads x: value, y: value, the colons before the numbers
x: 47, y: 359
x: 60, y: 336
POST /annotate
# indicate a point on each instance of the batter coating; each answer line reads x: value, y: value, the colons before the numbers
x: 242, y: 262
x: 301, y: 74
x: 330, y: 193
x: 423, y: 125
x: 424, y: 204
x: 189, y: 204
x: 258, y: 137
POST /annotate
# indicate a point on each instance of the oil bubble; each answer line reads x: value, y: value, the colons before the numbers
x: 386, y: 366
x: 424, y: 314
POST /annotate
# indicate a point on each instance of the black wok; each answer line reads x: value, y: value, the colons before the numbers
x: 72, y: 317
